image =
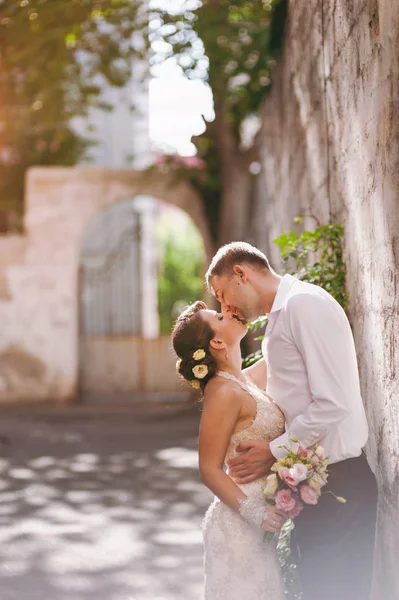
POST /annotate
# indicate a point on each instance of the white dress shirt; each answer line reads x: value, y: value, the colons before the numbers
x: 312, y: 371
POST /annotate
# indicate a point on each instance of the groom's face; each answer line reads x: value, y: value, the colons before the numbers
x: 237, y: 297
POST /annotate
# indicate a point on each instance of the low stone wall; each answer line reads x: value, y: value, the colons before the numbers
x: 128, y: 365
x: 22, y: 371
x: 330, y: 151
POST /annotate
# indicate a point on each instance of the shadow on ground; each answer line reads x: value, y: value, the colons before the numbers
x: 100, y: 506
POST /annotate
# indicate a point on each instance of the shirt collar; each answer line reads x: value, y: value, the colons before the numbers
x: 282, y: 292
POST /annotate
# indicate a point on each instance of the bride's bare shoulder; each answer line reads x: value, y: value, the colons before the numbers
x: 222, y: 391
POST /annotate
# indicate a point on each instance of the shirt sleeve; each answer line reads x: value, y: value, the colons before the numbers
x: 275, y: 446
x: 321, y: 332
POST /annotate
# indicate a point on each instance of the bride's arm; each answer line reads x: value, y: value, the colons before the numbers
x: 221, y: 411
x: 258, y: 373
x: 220, y: 414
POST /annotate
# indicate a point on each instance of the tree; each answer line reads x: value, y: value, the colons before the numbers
x: 55, y: 57
x: 232, y: 46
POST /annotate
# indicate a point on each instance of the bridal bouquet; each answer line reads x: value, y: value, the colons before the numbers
x: 297, y: 479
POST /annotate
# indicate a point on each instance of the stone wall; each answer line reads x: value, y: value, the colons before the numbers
x: 330, y: 148
x: 127, y: 365
x: 39, y: 273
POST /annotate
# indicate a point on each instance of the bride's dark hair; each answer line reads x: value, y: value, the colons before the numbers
x: 190, y: 333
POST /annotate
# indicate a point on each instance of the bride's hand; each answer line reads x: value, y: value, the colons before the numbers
x: 262, y: 516
x: 254, y: 463
x: 274, y: 520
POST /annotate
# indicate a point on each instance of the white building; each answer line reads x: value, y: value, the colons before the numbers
x: 122, y: 134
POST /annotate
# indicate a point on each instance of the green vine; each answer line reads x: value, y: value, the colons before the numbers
x: 317, y: 257
x: 259, y: 325
x: 313, y: 256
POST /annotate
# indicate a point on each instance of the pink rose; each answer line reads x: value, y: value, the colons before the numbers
x: 303, y: 452
x: 279, y: 469
x: 309, y: 495
x: 296, y: 510
x: 287, y: 476
x: 285, y: 501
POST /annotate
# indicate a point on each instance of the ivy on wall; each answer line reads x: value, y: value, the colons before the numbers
x: 317, y: 257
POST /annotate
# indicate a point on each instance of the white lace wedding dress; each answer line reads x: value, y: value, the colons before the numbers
x: 239, y: 564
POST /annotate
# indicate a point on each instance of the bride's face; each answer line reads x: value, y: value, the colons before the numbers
x: 226, y: 328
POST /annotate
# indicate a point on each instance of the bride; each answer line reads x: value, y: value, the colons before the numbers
x: 239, y: 564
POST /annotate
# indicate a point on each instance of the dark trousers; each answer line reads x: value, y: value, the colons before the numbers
x: 333, y: 543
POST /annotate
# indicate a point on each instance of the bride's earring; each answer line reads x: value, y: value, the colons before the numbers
x: 226, y: 353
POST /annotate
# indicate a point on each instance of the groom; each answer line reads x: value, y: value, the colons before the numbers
x: 310, y: 370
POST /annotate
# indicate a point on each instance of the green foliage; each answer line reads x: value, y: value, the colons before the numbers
x: 181, y: 272
x: 317, y: 257
x: 55, y: 57
x: 227, y: 44
x: 259, y: 324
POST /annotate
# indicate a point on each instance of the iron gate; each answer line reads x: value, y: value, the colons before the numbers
x: 110, y: 300
x: 110, y: 289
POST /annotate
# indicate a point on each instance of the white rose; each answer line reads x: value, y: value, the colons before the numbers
x: 320, y: 479
x: 315, y: 484
x: 271, y: 485
x: 319, y: 451
x: 324, y: 478
x: 299, y: 472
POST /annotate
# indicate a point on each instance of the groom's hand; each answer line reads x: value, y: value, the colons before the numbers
x: 256, y: 462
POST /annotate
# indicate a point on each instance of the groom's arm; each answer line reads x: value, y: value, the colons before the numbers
x: 258, y: 373
x: 321, y: 332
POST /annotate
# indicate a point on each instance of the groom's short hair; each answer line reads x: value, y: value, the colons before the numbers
x: 235, y: 253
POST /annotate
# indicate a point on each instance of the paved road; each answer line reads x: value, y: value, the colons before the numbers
x: 100, y: 506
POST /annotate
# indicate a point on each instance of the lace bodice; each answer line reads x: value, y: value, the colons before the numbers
x: 268, y: 422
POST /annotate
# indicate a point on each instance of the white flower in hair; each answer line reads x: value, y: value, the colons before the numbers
x: 196, y: 384
x: 200, y: 371
x: 199, y: 354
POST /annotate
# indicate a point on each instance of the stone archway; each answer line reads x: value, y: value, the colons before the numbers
x: 66, y: 199
x: 41, y: 311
